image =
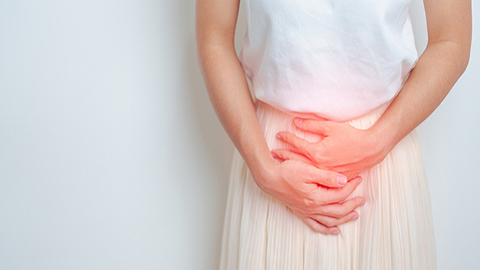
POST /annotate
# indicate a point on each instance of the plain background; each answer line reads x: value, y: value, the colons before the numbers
x: 111, y: 156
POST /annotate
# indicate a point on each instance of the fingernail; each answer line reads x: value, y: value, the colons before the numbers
x: 279, y: 136
x: 335, y: 231
x: 341, y: 179
x: 363, y: 202
x: 298, y: 120
x: 355, y: 216
x: 274, y: 155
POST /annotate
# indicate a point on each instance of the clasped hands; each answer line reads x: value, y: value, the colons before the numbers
x: 315, y: 178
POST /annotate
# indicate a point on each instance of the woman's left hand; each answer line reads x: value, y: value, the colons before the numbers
x: 343, y: 148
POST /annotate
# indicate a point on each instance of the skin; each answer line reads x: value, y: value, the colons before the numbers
x: 311, y: 185
x: 351, y: 151
x: 301, y: 186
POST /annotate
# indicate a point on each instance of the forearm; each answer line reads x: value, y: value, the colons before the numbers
x: 229, y: 94
x: 437, y: 70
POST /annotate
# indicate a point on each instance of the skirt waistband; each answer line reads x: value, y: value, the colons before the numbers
x: 362, y: 122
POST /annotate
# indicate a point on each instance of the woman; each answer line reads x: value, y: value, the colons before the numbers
x: 327, y: 172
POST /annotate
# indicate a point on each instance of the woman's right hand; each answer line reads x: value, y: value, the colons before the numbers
x: 316, y: 196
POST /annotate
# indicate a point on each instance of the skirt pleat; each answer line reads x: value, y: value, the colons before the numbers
x: 394, y: 230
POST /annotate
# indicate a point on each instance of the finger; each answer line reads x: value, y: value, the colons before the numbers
x: 299, y: 145
x: 324, y: 178
x: 320, y: 126
x: 276, y: 157
x: 314, y: 225
x: 330, y: 221
x: 333, y: 195
x: 284, y: 154
x: 340, y: 210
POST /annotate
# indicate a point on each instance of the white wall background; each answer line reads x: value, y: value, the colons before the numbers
x: 111, y: 156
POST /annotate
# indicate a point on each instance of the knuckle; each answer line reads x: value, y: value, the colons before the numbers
x: 317, y: 155
x: 321, y: 211
x: 294, y: 141
x: 308, y: 204
x: 286, y: 137
x: 336, y: 214
x: 318, y: 201
x: 344, y: 196
x: 340, y: 212
x: 310, y: 174
x: 307, y: 123
x: 315, y: 175
x: 279, y: 152
x: 329, y: 223
x: 330, y: 198
x: 306, y: 210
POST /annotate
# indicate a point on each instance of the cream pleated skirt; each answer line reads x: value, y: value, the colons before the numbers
x: 394, y: 230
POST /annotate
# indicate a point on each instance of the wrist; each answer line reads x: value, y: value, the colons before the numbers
x: 382, y: 140
x: 263, y: 171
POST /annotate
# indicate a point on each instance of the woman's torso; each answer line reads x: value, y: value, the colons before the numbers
x: 333, y: 59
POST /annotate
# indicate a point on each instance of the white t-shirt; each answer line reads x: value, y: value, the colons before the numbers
x: 337, y: 59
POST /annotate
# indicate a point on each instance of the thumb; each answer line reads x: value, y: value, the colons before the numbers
x: 285, y: 154
x: 320, y: 126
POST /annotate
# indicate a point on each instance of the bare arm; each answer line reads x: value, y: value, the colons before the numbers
x: 226, y: 82
x: 351, y: 151
x: 449, y: 24
x: 305, y: 189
